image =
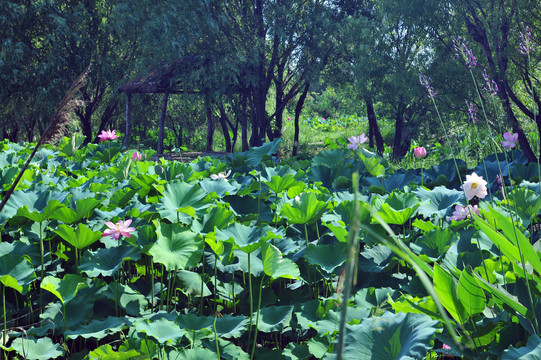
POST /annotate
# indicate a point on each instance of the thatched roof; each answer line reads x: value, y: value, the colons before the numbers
x: 167, y: 78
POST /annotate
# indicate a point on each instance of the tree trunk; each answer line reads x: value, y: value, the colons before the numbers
x: 210, y: 126
x: 244, y: 122
x: 127, y: 134
x: 162, y: 123
x: 298, y: 109
x: 225, y: 130
x: 398, y: 146
x: 373, y: 128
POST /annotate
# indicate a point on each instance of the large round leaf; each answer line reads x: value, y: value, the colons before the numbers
x: 182, y: 202
x: 305, y: 209
x: 64, y: 289
x: 106, y: 262
x: 440, y: 201
x: 36, y: 349
x: 163, y: 330
x: 97, y: 329
x: 532, y: 351
x: 80, y: 237
x: 274, y: 318
x: 247, y: 238
x: 16, y: 272
x: 177, y: 247
x: 390, y: 337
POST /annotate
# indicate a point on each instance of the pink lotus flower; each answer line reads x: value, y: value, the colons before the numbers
x: 220, y: 176
x: 462, y: 212
x: 107, y: 135
x: 419, y: 152
x: 509, y: 140
x: 136, y: 156
x: 475, y: 186
x: 446, y: 347
x: 355, y: 141
x: 121, y: 228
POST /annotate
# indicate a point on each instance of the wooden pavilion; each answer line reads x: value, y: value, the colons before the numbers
x: 170, y: 78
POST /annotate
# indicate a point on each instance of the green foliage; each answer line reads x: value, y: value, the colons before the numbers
x: 275, y: 236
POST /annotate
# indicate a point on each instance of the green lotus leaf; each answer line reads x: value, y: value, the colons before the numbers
x: 446, y: 289
x: 249, y: 208
x: 177, y: 247
x: 279, y: 184
x: 216, y: 217
x: 231, y: 326
x: 80, y: 237
x: 83, y: 209
x: 246, y: 238
x: 33, y: 204
x: 330, y: 158
x: 398, y: 208
x: 532, y: 350
x: 121, y: 197
x: 228, y: 350
x: 338, y: 176
x: 192, y: 354
x: 219, y: 187
x: 176, y: 170
x: 106, y: 261
x: 66, y: 288
x: 304, y: 210
x: 470, y: 294
x: 390, y: 336
x: 97, y: 329
x: 295, y: 351
x: 526, y: 203
x: 163, y: 330
x: 178, y: 194
x: 35, y: 349
x: 434, y: 244
x: 327, y: 257
x: 273, y: 318
x: 129, y: 299
x: 288, y: 270
x: 271, y: 257
x: 439, y: 201
x: 373, y: 164
x: 192, y: 283
x: 106, y: 352
x: 257, y: 154
x: 16, y: 272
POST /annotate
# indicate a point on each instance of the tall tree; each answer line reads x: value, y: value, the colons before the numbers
x: 503, y: 31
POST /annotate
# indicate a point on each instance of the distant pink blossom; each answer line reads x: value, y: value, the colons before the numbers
x: 419, y: 152
x: 526, y: 45
x: 121, y: 228
x: 462, y: 212
x: 446, y: 347
x: 425, y: 81
x: 355, y: 141
x: 509, y: 140
x: 136, y: 156
x: 220, y: 176
x: 107, y: 135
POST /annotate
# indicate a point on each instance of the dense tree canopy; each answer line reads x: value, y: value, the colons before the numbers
x: 259, y: 57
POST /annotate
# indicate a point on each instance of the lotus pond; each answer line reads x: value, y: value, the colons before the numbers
x: 105, y: 255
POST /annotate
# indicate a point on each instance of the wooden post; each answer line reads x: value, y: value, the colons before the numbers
x: 210, y: 125
x: 162, y: 123
x: 127, y: 134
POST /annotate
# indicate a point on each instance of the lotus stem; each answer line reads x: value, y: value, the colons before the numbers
x: 257, y: 316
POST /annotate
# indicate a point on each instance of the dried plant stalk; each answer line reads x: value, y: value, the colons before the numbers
x: 55, y: 130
